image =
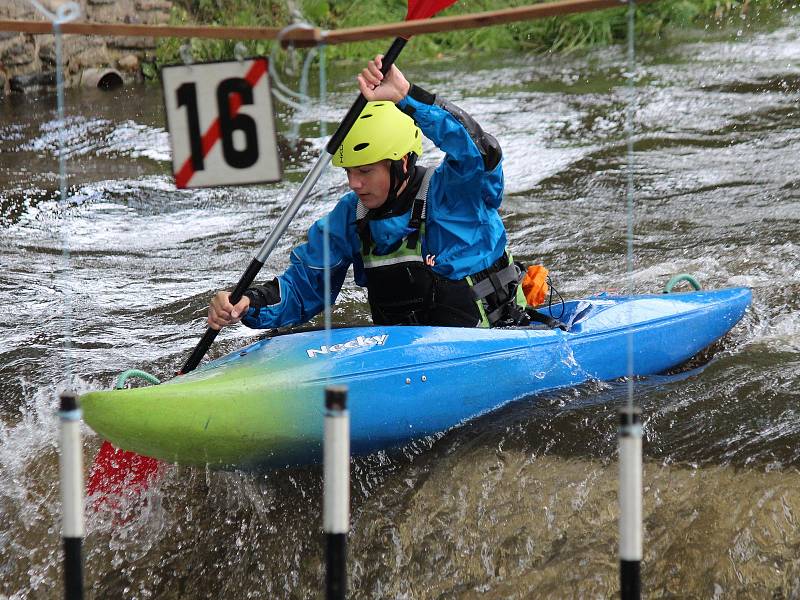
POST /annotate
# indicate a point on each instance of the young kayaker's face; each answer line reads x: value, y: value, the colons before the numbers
x: 371, y: 182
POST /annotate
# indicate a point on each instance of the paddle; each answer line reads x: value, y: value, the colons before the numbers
x: 115, y: 470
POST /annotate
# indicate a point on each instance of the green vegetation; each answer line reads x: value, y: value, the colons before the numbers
x: 546, y: 35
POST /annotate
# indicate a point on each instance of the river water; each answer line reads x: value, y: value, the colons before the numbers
x: 517, y: 504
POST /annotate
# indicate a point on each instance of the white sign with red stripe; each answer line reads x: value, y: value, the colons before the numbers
x: 221, y: 123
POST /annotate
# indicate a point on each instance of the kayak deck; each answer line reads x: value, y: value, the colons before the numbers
x: 263, y: 405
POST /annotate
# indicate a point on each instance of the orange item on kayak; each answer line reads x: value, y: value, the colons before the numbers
x: 534, y: 284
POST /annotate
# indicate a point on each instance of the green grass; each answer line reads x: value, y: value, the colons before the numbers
x: 554, y: 34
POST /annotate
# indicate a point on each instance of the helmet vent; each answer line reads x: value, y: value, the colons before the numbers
x: 365, y: 116
x: 360, y: 146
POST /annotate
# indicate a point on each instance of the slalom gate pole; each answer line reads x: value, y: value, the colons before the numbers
x: 71, y: 471
x: 630, y: 503
x: 336, y: 491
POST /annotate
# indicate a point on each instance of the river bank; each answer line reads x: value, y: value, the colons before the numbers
x: 27, y: 62
x: 556, y: 34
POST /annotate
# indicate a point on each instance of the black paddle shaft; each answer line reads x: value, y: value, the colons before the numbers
x: 350, y: 118
x: 255, y: 265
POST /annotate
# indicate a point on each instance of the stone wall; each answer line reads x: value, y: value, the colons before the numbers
x: 29, y: 60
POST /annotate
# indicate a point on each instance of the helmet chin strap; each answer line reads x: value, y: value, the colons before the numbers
x: 397, y: 176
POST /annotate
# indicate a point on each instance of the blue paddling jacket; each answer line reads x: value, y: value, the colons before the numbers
x: 462, y: 227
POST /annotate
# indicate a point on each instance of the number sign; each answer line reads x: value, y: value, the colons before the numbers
x: 221, y: 124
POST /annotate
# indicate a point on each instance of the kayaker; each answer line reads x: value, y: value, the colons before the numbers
x: 428, y: 243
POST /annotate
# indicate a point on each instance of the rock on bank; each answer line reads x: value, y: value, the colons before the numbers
x: 28, y: 61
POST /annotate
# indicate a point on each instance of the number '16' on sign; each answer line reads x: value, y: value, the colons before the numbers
x: 221, y: 123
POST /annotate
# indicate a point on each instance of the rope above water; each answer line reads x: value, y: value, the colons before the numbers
x: 64, y: 14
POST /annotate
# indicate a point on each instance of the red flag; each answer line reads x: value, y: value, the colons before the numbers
x: 422, y: 9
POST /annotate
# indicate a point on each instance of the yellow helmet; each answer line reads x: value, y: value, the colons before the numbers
x: 382, y: 131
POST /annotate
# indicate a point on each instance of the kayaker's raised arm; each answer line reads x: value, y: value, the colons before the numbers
x: 376, y: 86
x: 469, y: 148
x: 471, y: 152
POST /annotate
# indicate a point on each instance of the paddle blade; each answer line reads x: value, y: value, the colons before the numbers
x: 116, y: 472
x: 422, y: 9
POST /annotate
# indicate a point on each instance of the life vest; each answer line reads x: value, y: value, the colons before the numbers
x: 403, y: 289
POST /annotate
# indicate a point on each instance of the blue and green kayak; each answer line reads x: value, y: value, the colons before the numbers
x: 262, y: 406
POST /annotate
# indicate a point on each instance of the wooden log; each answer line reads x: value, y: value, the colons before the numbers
x: 311, y: 36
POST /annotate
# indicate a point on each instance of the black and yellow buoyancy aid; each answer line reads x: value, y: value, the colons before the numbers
x: 403, y: 289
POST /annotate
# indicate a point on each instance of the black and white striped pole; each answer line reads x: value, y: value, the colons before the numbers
x: 336, y: 491
x: 71, y: 471
x: 630, y: 503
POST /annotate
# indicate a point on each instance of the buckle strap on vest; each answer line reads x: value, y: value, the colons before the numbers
x: 362, y: 227
x: 496, y: 282
x: 419, y: 209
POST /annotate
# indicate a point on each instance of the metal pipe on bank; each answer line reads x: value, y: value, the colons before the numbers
x: 336, y: 491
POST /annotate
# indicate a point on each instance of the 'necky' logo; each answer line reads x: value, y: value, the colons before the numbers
x: 359, y: 342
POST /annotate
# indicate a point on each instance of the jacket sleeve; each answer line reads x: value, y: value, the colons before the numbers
x: 302, y: 285
x: 473, y: 158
